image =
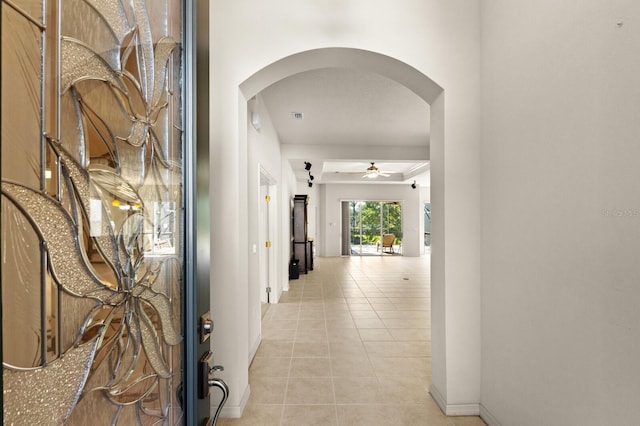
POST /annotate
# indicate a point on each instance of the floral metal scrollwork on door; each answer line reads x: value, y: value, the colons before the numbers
x: 100, y: 206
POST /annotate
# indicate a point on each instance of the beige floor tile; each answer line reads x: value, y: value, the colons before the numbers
x: 311, y: 349
x: 282, y: 315
x: 338, y: 315
x: 419, y: 415
x: 270, y: 367
x: 369, y: 323
x: 465, y: 421
x: 321, y: 415
x: 360, y: 307
x: 342, y: 349
x: 383, y: 306
x: 256, y: 415
x: 352, y: 366
x: 356, y: 390
x: 333, y: 324
x: 371, y: 292
x: 310, y: 367
x: 404, y: 390
x: 376, y: 374
x: 401, y: 366
x: 343, y: 335
x: 375, y: 335
x: 284, y: 311
x: 312, y: 313
x: 422, y: 301
x: 282, y: 334
x: 379, y: 299
x: 275, y: 348
x: 399, y: 293
x: 319, y: 335
x: 313, y: 298
x: 364, y: 314
x: 309, y: 391
x: 267, y: 390
x: 337, y: 302
x: 411, y: 335
x: 278, y: 324
x: 406, y: 323
x: 367, y: 415
x: 290, y: 296
x: 398, y: 349
x: 395, y: 314
x: 311, y: 324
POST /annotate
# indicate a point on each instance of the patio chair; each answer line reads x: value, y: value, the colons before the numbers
x: 387, y: 242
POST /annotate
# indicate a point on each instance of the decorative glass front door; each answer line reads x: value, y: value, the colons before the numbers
x: 92, y: 211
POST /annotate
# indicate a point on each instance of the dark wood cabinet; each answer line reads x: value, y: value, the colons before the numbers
x: 302, y: 247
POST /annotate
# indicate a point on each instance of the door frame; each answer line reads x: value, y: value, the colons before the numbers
x: 267, y: 231
x: 197, y: 207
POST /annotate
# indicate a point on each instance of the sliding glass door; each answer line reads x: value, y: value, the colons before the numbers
x: 375, y: 228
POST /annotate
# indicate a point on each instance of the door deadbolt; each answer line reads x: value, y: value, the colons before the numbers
x: 206, y: 326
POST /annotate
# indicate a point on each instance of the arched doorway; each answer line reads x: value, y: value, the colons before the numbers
x: 367, y: 61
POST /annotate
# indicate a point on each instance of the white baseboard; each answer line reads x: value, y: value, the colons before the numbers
x: 437, y: 396
x: 488, y: 417
x: 234, y: 411
x: 453, y: 409
x: 463, y: 410
x: 254, y: 348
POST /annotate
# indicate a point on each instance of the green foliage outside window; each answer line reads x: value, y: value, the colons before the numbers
x: 367, y: 225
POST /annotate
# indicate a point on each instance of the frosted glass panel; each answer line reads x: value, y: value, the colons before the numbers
x: 32, y: 8
x: 21, y: 97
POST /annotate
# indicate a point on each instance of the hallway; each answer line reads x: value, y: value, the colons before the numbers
x: 348, y: 344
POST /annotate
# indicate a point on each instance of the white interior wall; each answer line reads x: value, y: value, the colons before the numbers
x: 332, y: 211
x: 263, y: 153
x: 561, y: 212
x: 439, y: 39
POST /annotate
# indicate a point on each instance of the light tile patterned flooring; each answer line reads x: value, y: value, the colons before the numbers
x: 348, y: 344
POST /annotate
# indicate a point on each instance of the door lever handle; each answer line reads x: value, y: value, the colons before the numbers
x: 222, y: 385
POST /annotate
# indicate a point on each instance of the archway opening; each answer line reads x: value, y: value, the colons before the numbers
x: 432, y: 94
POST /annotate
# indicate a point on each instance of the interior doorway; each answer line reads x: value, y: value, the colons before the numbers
x: 373, y: 228
x: 267, y: 232
x: 424, y: 87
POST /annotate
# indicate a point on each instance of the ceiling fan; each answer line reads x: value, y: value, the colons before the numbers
x: 371, y: 172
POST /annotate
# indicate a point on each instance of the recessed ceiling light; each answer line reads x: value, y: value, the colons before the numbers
x: 297, y: 115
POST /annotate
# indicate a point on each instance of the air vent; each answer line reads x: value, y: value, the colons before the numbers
x: 297, y: 115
